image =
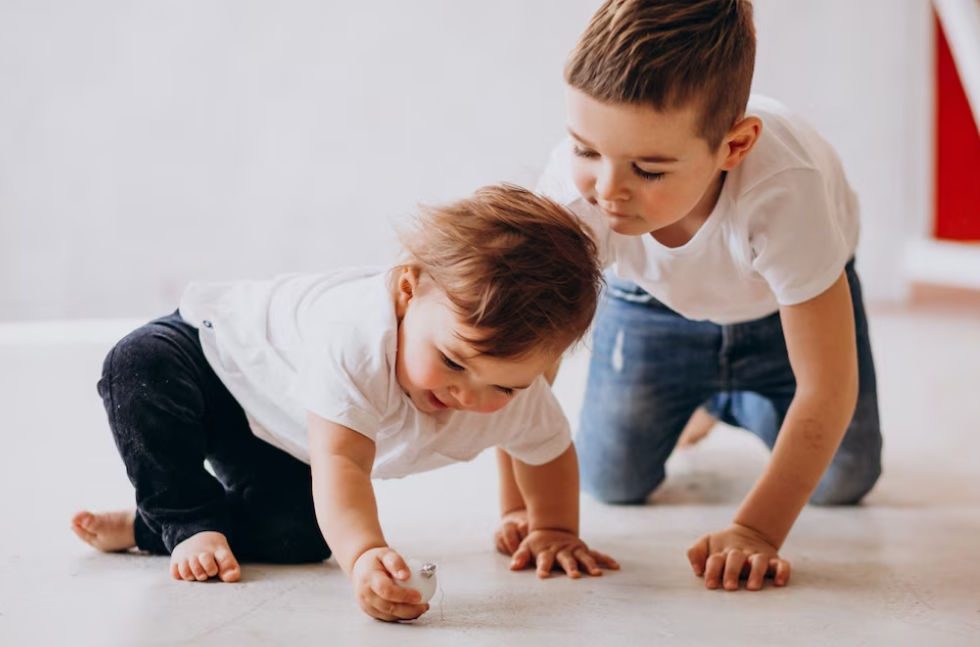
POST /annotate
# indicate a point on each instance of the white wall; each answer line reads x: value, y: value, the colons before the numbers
x: 146, y: 143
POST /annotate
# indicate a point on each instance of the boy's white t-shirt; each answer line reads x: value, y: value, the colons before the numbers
x: 327, y: 343
x: 784, y: 226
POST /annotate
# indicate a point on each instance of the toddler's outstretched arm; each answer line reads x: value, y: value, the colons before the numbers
x: 341, y: 460
x: 551, y: 494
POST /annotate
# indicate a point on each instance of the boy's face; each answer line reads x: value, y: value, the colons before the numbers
x: 648, y: 171
x: 437, y: 369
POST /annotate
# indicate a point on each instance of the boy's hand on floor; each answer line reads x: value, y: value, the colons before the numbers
x: 373, y: 577
x: 724, y: 558
x: 512, y: 531
x: 551, y: 548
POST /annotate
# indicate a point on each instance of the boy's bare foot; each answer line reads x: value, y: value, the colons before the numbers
x: 203, y: 556
x: 697, y: 428
x: 107, y: 531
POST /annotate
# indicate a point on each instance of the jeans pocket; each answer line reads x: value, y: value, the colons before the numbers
x: 629, y: 291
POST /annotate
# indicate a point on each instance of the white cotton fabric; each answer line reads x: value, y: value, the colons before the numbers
x: 327, y: 343
x: 784, y: 226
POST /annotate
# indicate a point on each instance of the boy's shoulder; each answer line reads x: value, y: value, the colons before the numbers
x: 789, y: 151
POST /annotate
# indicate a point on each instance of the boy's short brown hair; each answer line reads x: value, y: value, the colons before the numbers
x: 667, y: 53
x: 515, y: 265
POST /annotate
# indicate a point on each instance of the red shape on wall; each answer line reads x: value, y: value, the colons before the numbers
x: 957, y: 152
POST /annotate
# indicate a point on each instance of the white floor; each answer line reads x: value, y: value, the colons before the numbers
x: 902, y: 569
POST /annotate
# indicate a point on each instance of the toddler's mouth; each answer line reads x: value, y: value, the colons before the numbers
x: 436, y: 403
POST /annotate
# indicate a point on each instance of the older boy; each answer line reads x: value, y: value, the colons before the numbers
x: 731, y: 229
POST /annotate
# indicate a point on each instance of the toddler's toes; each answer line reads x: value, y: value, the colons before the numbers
x: 208, y: 564
x: 228, y: 568
x: 185, y: 571
x: 195, y: 565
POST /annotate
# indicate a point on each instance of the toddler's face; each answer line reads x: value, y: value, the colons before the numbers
x: 439, y: 371
x: 646, y: 170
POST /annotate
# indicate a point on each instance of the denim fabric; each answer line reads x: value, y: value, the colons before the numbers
x: 168, y: 412
x: 651, y: 368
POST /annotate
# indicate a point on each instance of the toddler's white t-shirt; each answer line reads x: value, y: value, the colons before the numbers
x: 783, y: 228
x: 327, y: 343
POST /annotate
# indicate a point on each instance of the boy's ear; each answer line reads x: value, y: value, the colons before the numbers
x: 739, y: 141
x: 406, y: 286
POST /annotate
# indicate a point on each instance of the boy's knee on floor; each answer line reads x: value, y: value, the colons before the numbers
x: 619, y: 492
x: 846, y: 486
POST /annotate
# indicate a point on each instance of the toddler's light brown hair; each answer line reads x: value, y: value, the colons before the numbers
x: 516, y: 266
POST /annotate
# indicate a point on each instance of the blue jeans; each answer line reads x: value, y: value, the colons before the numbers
x: 651, y: 368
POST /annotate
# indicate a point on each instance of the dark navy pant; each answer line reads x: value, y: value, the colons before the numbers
x: 169, y: 412
x: 651, y: 368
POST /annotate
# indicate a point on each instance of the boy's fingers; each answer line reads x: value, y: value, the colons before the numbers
x: 757, y: 574
x: 781, y: 568
x: 569, y: 564
x: 713, y: 569
x: 395, y: 565
x: 521, y: 558
x: 545, y: 561
x: 698, y: 555
x: 733, y: 569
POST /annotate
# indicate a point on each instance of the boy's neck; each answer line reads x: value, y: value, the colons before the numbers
x: 682, y: 231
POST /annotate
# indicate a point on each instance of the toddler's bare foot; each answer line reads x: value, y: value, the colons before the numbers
x: 107, y: 531
x: 697, y: 428
x: 203, y: 556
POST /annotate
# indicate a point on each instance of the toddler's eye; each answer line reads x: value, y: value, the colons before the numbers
x: 584, y: 152
x: 505, y: 390
x: 450, y: 363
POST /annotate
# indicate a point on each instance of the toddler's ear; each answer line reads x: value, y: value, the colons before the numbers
x: 406, y: 286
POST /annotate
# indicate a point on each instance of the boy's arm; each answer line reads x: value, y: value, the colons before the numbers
x: 820, y: 340
x: 347, y: 513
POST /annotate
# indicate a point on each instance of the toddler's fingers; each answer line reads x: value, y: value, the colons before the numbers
x: 588, y: 561
x: 698, y: 555
x: 757, y: 573
x: 781, y: 569
x: 383, y: 587
x: 604, y: 560
x: 521, y: 558
x: 733, y: 569
x: 512, y: 538
x: 395, y: 565
x: 545, y: 561
x: 568, y: 564
x: 713, y: 569
x: 395, y: 610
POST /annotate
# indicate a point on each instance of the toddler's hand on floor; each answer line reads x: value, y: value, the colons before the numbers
x: 551, y: 548
x: 512, y: 531
x: 724, y: 558
x: 373, y: 577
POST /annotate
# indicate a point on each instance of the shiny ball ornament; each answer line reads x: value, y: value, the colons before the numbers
x: 423, y: 578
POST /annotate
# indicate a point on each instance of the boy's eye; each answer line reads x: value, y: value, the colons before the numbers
x: 450, y: 363
x: 584, y: 152
x: 505, y: 390
x: 648, y: 175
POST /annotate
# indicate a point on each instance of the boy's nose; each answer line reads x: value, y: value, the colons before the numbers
x: 608, y: 186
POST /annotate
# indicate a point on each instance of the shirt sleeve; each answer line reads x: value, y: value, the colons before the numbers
x: 797, y: 244
x: 345, y: 381
x: 542, y: 433
x: 556, y: 183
